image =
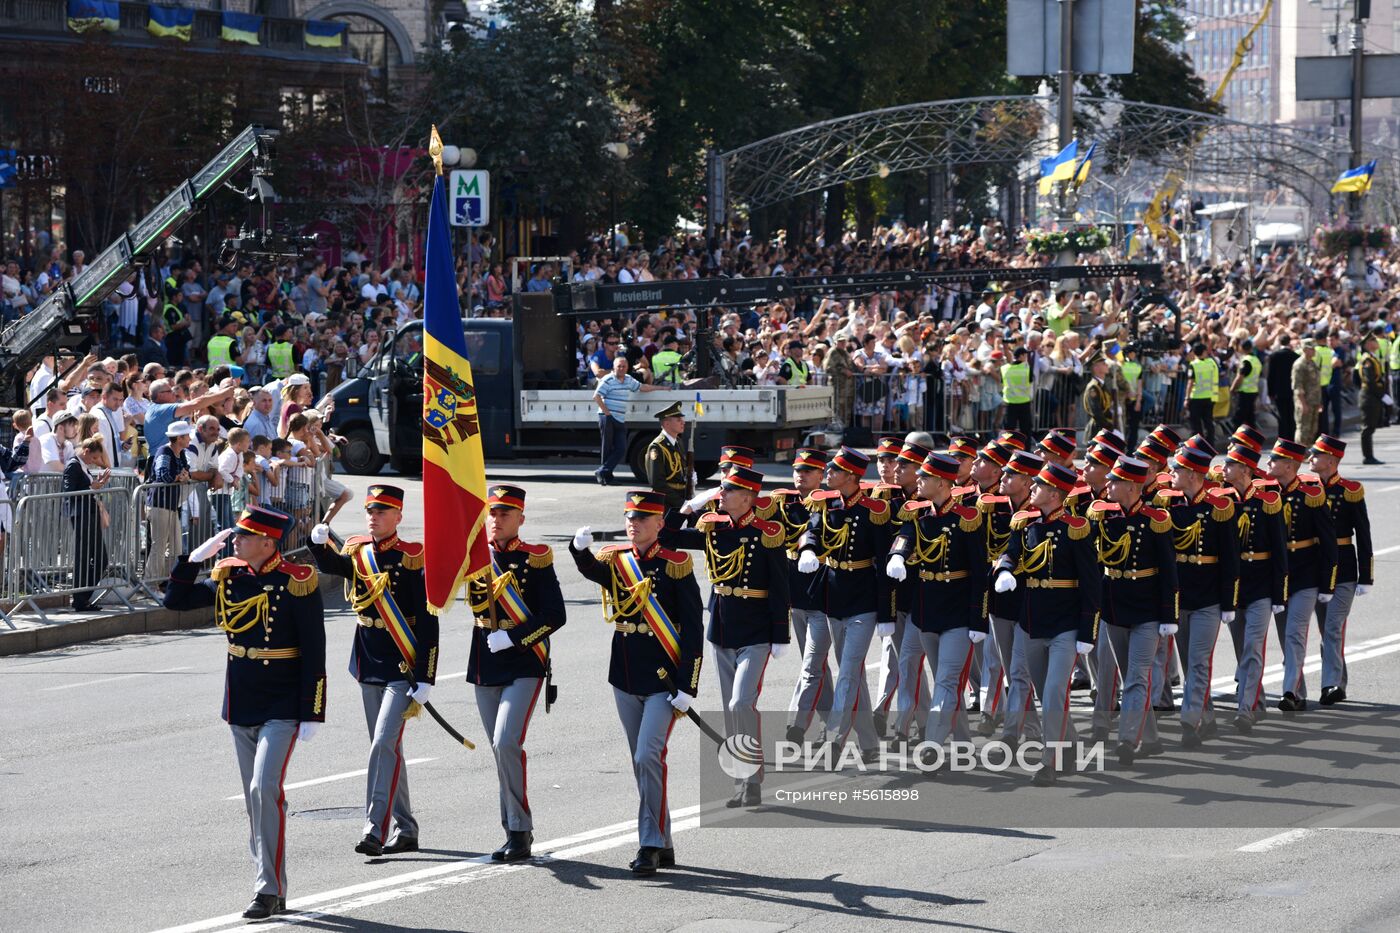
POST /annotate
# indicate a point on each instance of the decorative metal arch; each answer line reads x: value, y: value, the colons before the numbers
x: 1014, y: 131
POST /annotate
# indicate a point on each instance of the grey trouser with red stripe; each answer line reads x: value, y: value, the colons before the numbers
x: 386, y: 786
x: 263, y: 754
x: 505, y: 715
x: 648, y: 721
x: 740, y: 683
x: 950, y: 655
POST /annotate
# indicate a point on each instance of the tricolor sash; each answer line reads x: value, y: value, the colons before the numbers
x: 639, y: 587
x: 508, y: 599
x: 381, y: 600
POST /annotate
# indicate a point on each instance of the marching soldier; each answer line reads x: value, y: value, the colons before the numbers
x: 394, y: 657
x: 275, y: 678
x: 1098, y: 461
x: 1307, y: 393
x: 1057, y: 446
x: 887, y: 460
x: 1373, y: 396
x: 1017, y: 483
x: 1263, y: 576
x: 1208, y: 572
x: 942, y: 542
x: 964, y: 450
x: 510, y: 657
x: 847, y: 533
x: 1111, y: 439
x: 812, y: 693
x: 1097, y: 398
x: 1139, y: 601
x: 748, y: 604
x: 1246, y: 435
x: 1016, y: 440
x: 1346, y: 499
x: 1051, y: 553
x: 666, y: 471
x: 1312, y: 565
x: 651, y: 599
x: 901, y: 655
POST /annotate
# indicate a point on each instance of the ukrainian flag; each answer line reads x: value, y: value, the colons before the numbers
x: 1081, y: 169
x: 171, y: 22
x: 324, y: 35
x: 1355, y: 179
x: 455, y: 548
x: 240, y: 27
x: 88, y: 15
x: 1059, y: 167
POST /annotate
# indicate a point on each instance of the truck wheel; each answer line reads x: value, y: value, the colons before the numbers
x: 637, y: 457
x: 359, y: 455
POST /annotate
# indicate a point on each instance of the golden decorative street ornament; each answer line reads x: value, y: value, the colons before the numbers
x: 435, y: 149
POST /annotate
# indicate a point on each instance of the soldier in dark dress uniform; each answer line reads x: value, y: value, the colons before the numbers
x: 649, y: 635
x: 275, y: 679
x: 900, y: 684
x: 1346, y: 498
x: 1013, y: 496
x: 812, y: 692
x: 665, y: 457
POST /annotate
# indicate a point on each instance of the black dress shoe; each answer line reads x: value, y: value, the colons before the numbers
x: 870, y: 756
x: 752, y: 795
x: 737, y: 800
x: 1243, y: 724
x: 975, y: 706
x: 262, y: 907
x: 1149, y: 749
x: 668, y: 858
x: 516, y: 847
x: 1124, y: 751
x: 882, y: 721
x: 1080, y: 682
x: 370, y: 845
x: 401, y: 844
x: 1100, y: 734
x: 1190, y: 737
x: 1209, y: 731
x: 1332, y: 695
x: 795, y: 734
x: 648, y: 860
x: 1372, y: 461
x: 1164, y: 707
x: 1045, y: 777
x: 1290, y: 703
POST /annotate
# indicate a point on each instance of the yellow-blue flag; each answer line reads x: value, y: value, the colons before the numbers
x: 91, y: 15
x: 1355, y: 179
x: 325, y: 35
x: 171, y: 22
x: 1059, y: 167
x: 240, y: 27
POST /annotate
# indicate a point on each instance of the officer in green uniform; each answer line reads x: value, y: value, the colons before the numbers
x: 1373, y: 396
x: 223, y: 347
x: 665, y: 458
x: 1097, y: 399
x: 1016, y: 390
x: 280, y: 356
x: 1201, y: 389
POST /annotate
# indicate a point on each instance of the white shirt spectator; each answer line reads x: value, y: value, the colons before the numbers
x: 372, y: 292
x: 230, y: 467
x: 39, y: 384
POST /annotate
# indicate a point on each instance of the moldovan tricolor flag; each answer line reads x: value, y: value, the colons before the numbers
x: 454, y: 470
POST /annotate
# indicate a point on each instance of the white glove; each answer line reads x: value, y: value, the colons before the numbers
x: 1166, y: 628
x: 1005, y: 582
x: 696, y: 501
x: 307, y: 731
x: 211, y: 547
x: 681, y: 701
x: 895, y: 568
x: 583, y: 538
x: 884, y: 630
x: 420, y: 693
x: 777, y: 650
x: 1387, y: 400
x: 1083, y: 647
x: 1324, y: 598
x: 1227, y: 617
x: 498, y: 641
x: 1277, y: 608
x: 976, y: 637
x: 808, y: 562
x: 321, y: 533
x: 1362, y: 589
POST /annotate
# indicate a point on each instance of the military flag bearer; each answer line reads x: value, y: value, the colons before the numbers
x: 665, y: 457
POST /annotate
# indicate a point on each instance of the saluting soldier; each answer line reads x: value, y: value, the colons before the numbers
x: 812, y: 692
x: 1373, y: 395
x: 942, y: 543
x: 748, y: 604
x: 1263, y: 575
x: 1346, y: 498
x: 394, y: 656
x: 665, y: 458
x: 275, y: 677
x: 650, y: 636
x: 1208, y: 571
x: 1139, y: 604
x: 848, y: 531
x: 1312, y: 565
x: 1051, y: 553
x: 1097, y: 398
x: 510, y: 660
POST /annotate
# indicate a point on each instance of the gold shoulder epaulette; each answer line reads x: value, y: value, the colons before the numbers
x: 1314, y: 497
x: 1079, y: 528
x: 412, y: 561
x: 219, y: 574
x: 772, y: 534
x: 680, y: 569
x: 541, y: 559
x: 765, y: 509
x: 1021, y: 520
x: 302, y: 579
x: 880, y: 516
x: 1160, y: 525
x: 1353, y: 491
x: 906, y: 514
x: 1272, y: 504
x: 1222, y: 510
x: 969, y: 519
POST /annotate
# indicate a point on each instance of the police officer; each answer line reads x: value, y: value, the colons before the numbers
x: 384, y: 580
x: 1346, y: 499
x: 1016, y: 391
x: 748, y: 603
x: 1132, y: 403
x: 1097, y: 399
x: 665, y: 459
x: 223, y: 346
x: 1312, y: 565
x: 848, y: 531
x: 1263, y: 575
x: 1134, y: 548
x: 1202, y: 386
x: 901, y: 655
x: 649, y: 636
x: 941, y: 547
x: 1208, y: 570
x: 1373, y: 396
x: 794, y: 371
x: 1051, y: 553
x: 281, y: 358
x: 275, y: 678
x: 1245, y: 387
x: 812, y: 692
x: 510, y: 655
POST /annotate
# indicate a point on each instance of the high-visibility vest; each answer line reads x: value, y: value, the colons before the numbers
x: 1132, y: 372
x: 1385, y: 351
x: 1206, y: 376
x: 799, y: 372
x: 663, y: 365
x: 220, y: 350
x: 1250, y: 383
x: 1393, y: 358
x: 1324, y: 358
x: 279, y: 357
x: 170, y: 307
x: 1016, y: 383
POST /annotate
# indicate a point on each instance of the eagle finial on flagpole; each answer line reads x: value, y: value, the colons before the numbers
x: 435, y: 149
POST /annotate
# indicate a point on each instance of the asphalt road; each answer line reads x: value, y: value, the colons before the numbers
x: 122, y: 807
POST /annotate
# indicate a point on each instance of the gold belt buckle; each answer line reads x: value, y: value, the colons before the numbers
x: 253, y: 653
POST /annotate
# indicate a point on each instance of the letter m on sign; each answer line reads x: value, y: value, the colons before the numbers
x: 471, y: 198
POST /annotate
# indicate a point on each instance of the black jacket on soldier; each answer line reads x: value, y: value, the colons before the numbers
x: 853, y: 540
x: 945, y: 560
x: 1347, y: 501
x: 1139, y: 563
x: 532, y: 566
x: 1262, y: 543
x: 276, y: 609
x: 636, y: 654
x: 996, y: 514
x: 1207, y: 548
x: 665, y: 462
x: 1054, y: 562
x: 790, y: 511
x: 374, y: 657
x: 1312, y: 539
x: 748, y: 570
x: 896, y: 497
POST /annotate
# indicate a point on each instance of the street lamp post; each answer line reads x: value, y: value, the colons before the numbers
x: 619, y: 151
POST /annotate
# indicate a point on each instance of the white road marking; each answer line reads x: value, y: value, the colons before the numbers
x: 1342, y: 820
x: 1372, y: 648
x: 1386, y: 550
x: 1275, y: 841
x: 334, y: 777
x: 108, y: 680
